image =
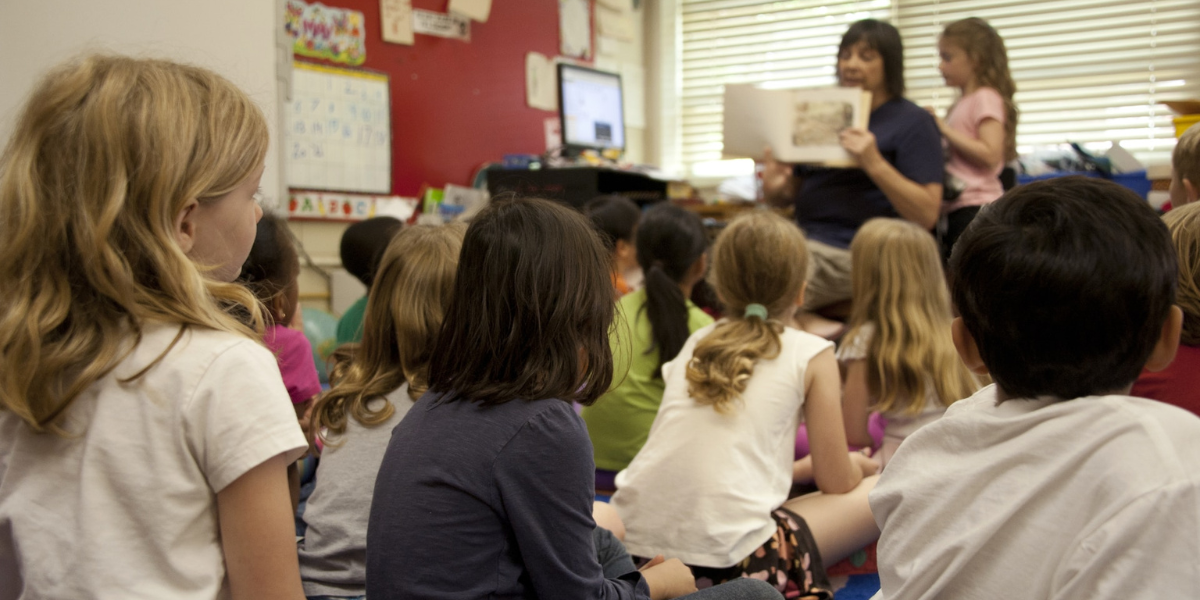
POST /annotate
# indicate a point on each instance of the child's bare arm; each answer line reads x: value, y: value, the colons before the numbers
x: 856, y: 404
x: 832, y: 469
x: 258, y: 534
x: 986, y: 152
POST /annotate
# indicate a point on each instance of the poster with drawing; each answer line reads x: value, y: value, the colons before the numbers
x: 331, y: 33
x: 800, y: 126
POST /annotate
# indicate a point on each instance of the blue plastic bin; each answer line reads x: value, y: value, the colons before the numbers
x: 1135, y: 181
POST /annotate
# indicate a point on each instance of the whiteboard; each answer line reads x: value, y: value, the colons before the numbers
x: 339, y: 130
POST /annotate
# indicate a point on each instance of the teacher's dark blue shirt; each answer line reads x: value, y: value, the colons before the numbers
x: 831, y: 204
x: 493, y: 503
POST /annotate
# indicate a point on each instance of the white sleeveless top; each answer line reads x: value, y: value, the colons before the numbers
x: 703, y: 487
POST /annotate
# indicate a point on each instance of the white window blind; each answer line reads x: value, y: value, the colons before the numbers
x: 789, y: 43
x: 1089, y: 71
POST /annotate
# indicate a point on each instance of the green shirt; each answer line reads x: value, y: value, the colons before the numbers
x: 620, y: 420
x: 349, y: 327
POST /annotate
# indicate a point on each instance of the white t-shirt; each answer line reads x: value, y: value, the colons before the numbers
x: 703, y: 487
x: 1096, y: 497
x: 125, y: 507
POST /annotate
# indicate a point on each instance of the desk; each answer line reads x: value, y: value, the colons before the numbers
x: 576, y: 185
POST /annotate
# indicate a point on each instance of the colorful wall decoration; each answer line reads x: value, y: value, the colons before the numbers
x: 330, y: 33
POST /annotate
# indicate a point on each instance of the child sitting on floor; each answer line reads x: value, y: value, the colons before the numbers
x: 1054, y: 482
x: 1179, y: 384
x: 374, y: 385
x: 897, y: 357
x: 711, y: 484
x: 616, y: 218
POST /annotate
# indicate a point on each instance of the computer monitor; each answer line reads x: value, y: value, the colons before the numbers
x: 589, y: 103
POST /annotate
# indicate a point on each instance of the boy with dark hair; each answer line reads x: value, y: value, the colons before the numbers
x: 1052, y: 483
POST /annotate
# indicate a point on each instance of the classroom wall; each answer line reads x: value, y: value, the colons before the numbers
x: 233, y: 37
x: 455, y: 106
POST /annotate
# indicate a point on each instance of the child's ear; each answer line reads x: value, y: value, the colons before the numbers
x: 800, y: 296
x: 1190, y: 190
x: 185, y: 226
x: 1168, y: 341
x: 968, y: 351
x: 626, y: 251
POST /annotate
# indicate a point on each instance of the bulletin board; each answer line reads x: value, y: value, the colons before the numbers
x: 458, y: 104
x: 339, y: 130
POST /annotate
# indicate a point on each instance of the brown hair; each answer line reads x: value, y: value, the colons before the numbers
x: 1185, y: 159
x: 986, y: 49
x: 105, y: 154
x: 900, y: 290
x: 1184, y: 224
x: 760, y: 258
x: 531, y: 309
x: 272, y: 269
x: 412, y: 288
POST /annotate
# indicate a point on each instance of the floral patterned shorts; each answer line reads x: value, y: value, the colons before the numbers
x: 789, y: 560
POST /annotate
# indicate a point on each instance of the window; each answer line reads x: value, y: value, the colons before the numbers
x: 1090, y: 71
x: 791, y: 43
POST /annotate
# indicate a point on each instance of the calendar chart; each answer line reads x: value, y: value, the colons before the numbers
x: 339, y: 131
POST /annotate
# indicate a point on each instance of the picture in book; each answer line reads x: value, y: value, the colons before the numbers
x: 799, y: 126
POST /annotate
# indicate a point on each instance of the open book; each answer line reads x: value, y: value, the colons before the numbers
x: 800, y: 126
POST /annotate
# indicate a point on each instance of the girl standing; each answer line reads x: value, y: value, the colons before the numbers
x: 898, y: 357
x: 374, y: 385
x: 144, y: 435
x: 711, y: 484
x: 980, y: 129
x: 653, y: 324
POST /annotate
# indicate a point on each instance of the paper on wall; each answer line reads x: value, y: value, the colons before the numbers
x: 396, y: 18
x: 616, y: 24
x: 442, y: 25
x: 541, y: 90
x: 575, y: 28
x: 553, y: 130
x: 473, y: 9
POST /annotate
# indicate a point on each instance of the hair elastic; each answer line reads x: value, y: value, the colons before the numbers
x: 755, y: 310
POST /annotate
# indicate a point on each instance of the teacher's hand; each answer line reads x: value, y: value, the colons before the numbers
x: 860, y: 143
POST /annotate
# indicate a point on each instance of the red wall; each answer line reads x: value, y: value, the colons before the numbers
x: 455, y: 104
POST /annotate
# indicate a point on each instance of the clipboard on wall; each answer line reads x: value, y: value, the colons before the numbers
x: 338, y: 134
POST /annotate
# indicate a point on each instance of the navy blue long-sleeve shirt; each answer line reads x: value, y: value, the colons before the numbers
x: 488, y: 502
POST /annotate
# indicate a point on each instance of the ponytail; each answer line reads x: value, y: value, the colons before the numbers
x: 669, y: 242
x: 724, y: 360
x: 759, y: 265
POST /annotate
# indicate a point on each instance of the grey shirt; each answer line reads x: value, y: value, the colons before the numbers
x: 333, y: 554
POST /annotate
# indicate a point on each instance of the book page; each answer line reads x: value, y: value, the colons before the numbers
x: 800, y: 126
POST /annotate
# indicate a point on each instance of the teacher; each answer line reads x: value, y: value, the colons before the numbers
x: 900, y: 166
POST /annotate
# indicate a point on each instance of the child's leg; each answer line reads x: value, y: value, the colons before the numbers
x: 840, y: 523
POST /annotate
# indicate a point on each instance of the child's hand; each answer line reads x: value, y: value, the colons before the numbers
x: 668, y: 578
x: 860, y: 143
x: 863, y: 460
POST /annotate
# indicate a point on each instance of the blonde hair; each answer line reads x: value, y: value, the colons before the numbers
x: 1184, y: 223
x: 1185, y: 159
x: 408, y: 299
x: 986, y: 49
x: 760, y: 258
x: 105, y: 155
x: 899, y: 288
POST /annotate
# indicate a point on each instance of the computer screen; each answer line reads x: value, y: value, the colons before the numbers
x: 589, y: 102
